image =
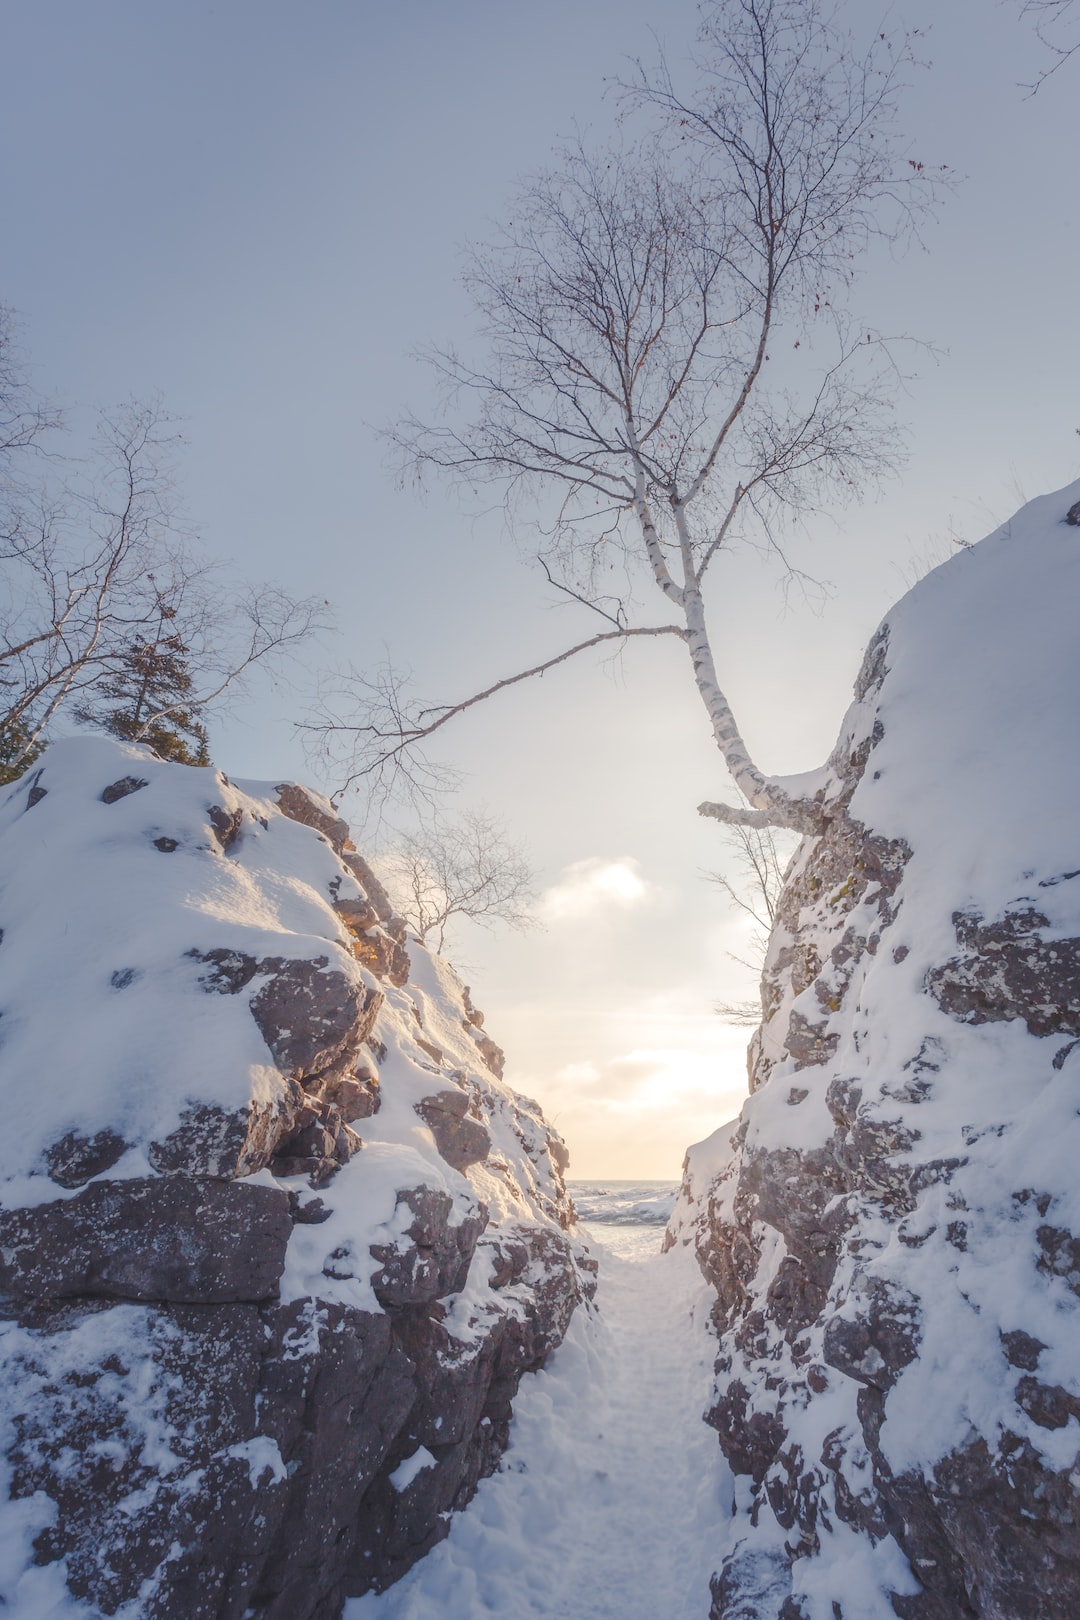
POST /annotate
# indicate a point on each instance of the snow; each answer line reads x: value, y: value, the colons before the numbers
x: 102, y: 1003
x: 977, y: 769
x: 106, y: 1026
x: 262, y: 1457
x: 99, y: 990
x: 406, y: 1472
x: 704, y: 1162
x: 41, y: 1374
x: 612, y: 1497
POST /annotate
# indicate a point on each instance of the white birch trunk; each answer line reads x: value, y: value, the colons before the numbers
x: 772, y: 805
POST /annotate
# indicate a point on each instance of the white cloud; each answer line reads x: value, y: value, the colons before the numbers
x: 644, y: 1078
x: 634, y: 1112
x: 590, y: 887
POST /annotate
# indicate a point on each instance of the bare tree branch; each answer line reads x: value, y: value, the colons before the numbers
x: 467, y: 868
x: 753, y: 888
x: 1048, y: 15
x: 98, y: 579
x: 381, y: 725
x: 669, y: 366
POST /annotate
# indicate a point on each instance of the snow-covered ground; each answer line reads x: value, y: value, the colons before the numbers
x: 613, y: 1496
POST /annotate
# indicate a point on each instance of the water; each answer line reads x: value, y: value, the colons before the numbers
x: 624, y: 1203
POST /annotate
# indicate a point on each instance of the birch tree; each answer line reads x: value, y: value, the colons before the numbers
x: 670, y: 366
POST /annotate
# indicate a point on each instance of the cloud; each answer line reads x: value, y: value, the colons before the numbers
x: 634, y: 1113
x: 643, y: 1079
x: 591, y: 887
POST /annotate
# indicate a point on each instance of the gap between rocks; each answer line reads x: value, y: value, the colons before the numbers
x: 613, y: 1498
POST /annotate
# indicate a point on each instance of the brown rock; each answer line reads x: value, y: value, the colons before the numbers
x: 311, y: 1015
x: 299, y: 805
x: 460, y: 1140
x: 1010, y: 970
x: 876, y: 1344
x: 75, y: 1159
x: 356, y: 1096
x: 215, y: 1141
x: 435, y: 1260
x: 357, y: 915
x: 150, y: 1238
x: 226, y: 825
x: 382, y: 955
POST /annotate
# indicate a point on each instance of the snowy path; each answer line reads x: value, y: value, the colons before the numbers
x: 613, y: 1498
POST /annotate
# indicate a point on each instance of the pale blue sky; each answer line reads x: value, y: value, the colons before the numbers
x: 255, y: 209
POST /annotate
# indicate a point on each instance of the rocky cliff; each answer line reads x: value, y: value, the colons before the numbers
x: 276, y: 1241
x: 893, y: 1225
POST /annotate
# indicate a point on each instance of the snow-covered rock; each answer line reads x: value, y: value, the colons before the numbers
x: 271, y: 1224
x: 895, y: 1241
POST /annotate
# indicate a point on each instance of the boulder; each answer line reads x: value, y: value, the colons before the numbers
x: 151, y: 1238
x: 434, y: 1259
x: 460, y: 1139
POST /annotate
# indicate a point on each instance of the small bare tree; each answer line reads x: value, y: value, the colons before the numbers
x: 106, y: 612
x: 464, y: 868
x: 669, y: 361
x: 761, y: 855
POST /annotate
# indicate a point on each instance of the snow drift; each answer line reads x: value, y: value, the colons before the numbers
x: 276, y: 1241
x: 893, y: 1227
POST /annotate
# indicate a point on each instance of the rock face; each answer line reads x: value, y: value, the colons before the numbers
x: 893, y: 1226
x: 270, y: 1221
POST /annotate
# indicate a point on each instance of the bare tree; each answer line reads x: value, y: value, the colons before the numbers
x: 98, y: 579
x: 761, y: 855
x: 1048, y: 16
x: 669, y: 363
x: 25, y: 420
x: 464, y: 868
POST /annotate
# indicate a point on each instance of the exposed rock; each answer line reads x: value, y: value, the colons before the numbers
x: 312, y: 810
x: 435, y: 1259
x: 215, y: 1141
x: 1022, y: 1349
x: 1010, y: 969
x: 311, y: 1016
x: 493, y: 1055
x: 121, y: 789
x: 301, y: 804
x: 357, y: 915
x: 226, y: 825
x: 383, y: 955
x: 75, y: 1159
x: 908, y: 1420
x: 877, y: 1343
x: 319, y: 1143
x: 355, y: 1096
x: 149, y: 1238
x: 208, y: 1379
x: 461, y: 1141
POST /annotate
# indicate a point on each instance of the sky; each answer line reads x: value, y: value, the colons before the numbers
x: 256, y: 210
